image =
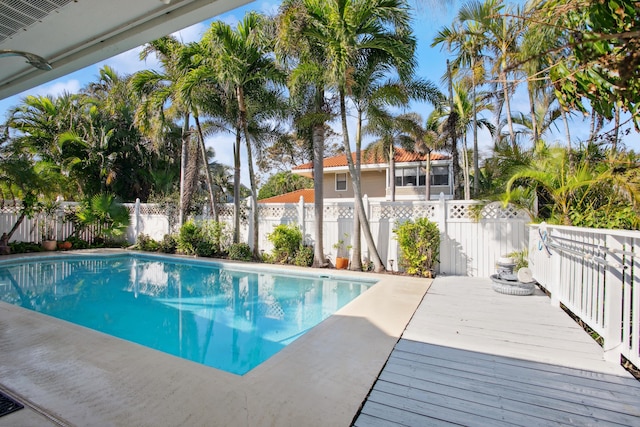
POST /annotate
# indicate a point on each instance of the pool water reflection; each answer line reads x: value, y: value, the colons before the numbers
x: 226, y: 318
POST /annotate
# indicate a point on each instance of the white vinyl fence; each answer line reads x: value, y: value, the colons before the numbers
x: 592, y: 272
x: 471, y: 238
x: 471, y: 241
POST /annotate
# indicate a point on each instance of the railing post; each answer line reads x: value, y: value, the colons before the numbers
x: 613, y: 299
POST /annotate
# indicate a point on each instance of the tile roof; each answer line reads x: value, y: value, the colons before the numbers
x: 401, y: 156
x: 292, y: 197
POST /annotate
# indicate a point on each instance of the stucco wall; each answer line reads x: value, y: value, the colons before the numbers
x: 373, y: 185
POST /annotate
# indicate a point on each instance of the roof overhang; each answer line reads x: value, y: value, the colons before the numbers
x: 73, y: 34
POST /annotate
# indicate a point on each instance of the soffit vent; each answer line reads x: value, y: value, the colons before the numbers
x: 19, y: 15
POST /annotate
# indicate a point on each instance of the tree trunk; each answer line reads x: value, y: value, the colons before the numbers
x: 507, y: 105
x: 455, y: 156
x: 567, y: 134
x: 319, y: 259
x: 357, y: 193
x: 476, y: 155
x: 498, y: 103
x: 465, y: 162
x: 392, y: 173
x: 205, y: 162
x: 236, y: 185
x: 356, y: 252
x: 427, y: 178
x: 183, y: 168
x: 252, y: 176
x: 616, y: 129
x: 7, y: 236
x: 532, y: 108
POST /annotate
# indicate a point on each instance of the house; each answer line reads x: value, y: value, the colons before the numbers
x: 292, y: 197
x: 375, y: 176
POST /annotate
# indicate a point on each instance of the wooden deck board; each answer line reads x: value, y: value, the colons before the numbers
x: 471, y: 356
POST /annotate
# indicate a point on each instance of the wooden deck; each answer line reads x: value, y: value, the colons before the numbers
x: 471, y: 356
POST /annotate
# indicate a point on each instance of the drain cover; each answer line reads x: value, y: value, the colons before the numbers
x: 8, y: 405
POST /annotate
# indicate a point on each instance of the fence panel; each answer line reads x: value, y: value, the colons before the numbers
x: 473, y: 238
x: 470, y: 241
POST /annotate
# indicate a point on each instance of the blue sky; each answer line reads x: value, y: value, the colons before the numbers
x: 429, y: 17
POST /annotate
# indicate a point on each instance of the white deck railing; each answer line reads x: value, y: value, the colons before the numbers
x: 592, y: 272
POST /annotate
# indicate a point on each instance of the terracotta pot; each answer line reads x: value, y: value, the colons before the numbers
x: 49, y: 245
x: 342, y: 263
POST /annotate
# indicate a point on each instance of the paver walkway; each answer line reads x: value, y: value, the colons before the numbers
x: 472, y: 356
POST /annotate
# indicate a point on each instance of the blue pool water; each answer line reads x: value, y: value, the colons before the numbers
x: 225, y: 318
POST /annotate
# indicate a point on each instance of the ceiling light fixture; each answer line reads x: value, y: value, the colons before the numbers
x: 32, y: 59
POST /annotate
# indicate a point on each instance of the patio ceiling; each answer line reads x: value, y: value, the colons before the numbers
x: 72, y: 34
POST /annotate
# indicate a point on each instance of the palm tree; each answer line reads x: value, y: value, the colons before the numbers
x: 156, y: 90
x: 372, y: 92
x: 304, y: 55
x: 457, y: 118
x: 240, y: 59
x: 464, y: 38
x: 563, y: 188
x: 347, y: 29
x: 491, y: 26
x: 107, y: 125
x: 425, y: 140
x: 392, y: 131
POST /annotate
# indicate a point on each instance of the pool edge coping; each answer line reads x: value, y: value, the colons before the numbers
x: 321, y: 378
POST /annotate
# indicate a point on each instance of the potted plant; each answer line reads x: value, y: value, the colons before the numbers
x: 48, y: 225
x: 342, y: 253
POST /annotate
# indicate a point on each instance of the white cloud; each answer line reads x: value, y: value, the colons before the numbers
x: 193, y: 33
x: 58, y: 87
x: 129, y: 62
x: 269, y: 8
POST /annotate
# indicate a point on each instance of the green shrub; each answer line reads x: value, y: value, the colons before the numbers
x: 419, y: 243
x: 205, y: 248
x: 146, y: 243
x: 304, y: 257
x: 110, y: 217
x: 24, y: 247
x: 168, y: 244
x: 240, y: 252
x: 78, y: 243
x: 188, y: 238
x: 286, y: 240
x: 216, y: 234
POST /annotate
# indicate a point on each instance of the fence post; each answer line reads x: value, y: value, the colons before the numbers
x: 301, y: 218
x: 250, y: 209
x: 442, y: 217
x: 365, y: 247
x: 136, y: 213
x: 613, y: 299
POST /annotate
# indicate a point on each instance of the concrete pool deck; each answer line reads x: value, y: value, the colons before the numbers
x: 69, y: 375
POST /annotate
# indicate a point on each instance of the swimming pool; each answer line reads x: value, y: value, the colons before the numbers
x: 206, y: 312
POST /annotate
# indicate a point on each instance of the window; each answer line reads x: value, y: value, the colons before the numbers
x: 408, y: 177
x: 440, y: 175
x: 341, y: 182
